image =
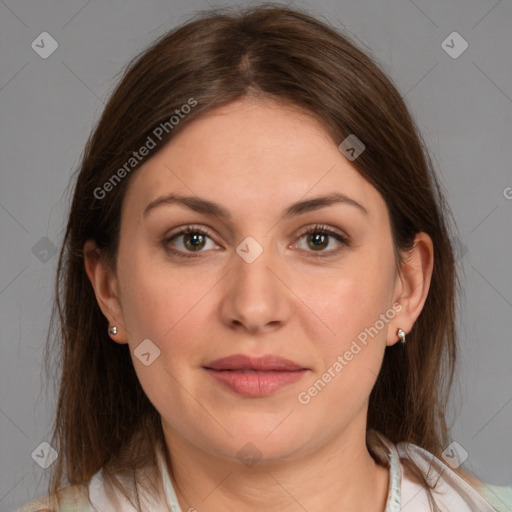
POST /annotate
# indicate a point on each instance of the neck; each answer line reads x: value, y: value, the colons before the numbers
x: 340, y: 476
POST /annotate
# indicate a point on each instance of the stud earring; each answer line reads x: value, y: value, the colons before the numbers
x: 401, y: 335
x: 113, y: 330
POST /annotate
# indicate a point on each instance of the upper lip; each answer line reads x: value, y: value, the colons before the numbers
x: 261, y: 363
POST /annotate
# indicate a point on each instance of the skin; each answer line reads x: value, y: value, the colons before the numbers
x: 255, y: 157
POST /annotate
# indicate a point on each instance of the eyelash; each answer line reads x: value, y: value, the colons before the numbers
x: 316, y: 229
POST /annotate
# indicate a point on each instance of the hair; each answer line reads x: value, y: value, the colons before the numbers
x: 103, y: 418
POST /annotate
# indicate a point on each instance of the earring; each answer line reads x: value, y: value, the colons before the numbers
x: 401, y: 335
x: 113, y: 330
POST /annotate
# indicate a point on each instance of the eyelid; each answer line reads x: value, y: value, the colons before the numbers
x: 322, y: 228
x: 189, y: 227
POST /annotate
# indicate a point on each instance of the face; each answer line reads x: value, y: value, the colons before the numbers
x: 257, y: 279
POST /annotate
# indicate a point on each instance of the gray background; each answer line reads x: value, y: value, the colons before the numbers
x: 462, y: 105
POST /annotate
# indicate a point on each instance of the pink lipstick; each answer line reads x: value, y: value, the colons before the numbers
x: 255, y: 376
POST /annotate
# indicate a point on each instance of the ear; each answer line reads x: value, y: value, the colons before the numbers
x: 413, y: 284
x: 106, y: 288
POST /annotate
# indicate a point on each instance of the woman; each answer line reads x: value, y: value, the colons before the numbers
x: 256, y: 288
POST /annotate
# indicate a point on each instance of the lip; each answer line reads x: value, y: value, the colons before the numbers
x: 261, y: 363
x: 255, y: 376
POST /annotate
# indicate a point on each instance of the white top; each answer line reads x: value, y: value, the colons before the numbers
x: 452, y: 493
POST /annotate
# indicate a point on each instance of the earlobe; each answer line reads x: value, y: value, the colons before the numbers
x: 106, y: 290
x: 415, y: 277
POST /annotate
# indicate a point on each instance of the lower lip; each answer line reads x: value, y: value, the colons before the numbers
x: 257, y: 384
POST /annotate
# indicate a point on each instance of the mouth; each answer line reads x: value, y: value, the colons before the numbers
x: 255, y: 376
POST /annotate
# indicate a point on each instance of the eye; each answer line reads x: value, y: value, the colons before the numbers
x: 194, y: 239
x: 319, y: 237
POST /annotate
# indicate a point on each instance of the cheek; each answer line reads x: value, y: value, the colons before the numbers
x: 165, y: 307
x: 168, y: 313
x: 349, y: 301
x: 348, y: 358
x: 356, y: 349
x: 357, y: 312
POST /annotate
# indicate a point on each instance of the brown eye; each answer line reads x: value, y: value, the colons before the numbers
x: 194, y: 241
x: 318, y: 238
x: 318, y: 241
x: 186, y: 242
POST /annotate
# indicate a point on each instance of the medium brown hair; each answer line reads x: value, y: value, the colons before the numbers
x: 103, y: 418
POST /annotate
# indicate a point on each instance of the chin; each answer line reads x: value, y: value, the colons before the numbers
x: 264, y: 444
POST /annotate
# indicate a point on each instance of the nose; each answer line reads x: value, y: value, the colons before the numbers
x: 254, y: 296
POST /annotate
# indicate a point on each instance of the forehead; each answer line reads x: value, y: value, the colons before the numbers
x: 254, y: 155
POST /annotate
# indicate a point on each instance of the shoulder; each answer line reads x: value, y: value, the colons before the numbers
x: 73, y: 498
x: 500, y: 497
x: 452, y: 490
x: 100, y: 495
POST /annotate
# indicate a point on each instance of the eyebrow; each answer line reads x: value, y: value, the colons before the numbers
x: 206, y: 207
